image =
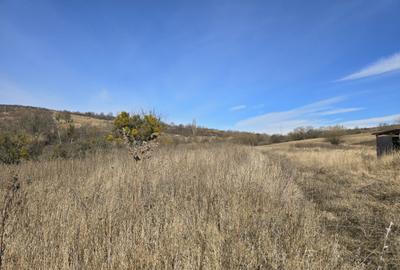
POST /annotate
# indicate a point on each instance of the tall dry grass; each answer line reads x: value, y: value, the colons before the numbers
x: 353, y: 160
x: 357, y: 194
x: 216, y: 207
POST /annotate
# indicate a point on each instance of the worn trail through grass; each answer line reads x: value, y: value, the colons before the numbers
x: 357, y: 206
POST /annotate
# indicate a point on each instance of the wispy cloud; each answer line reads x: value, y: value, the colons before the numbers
x: 338, y: 111
x: 317, y: 114
x: 384, y: 65
x: 372, y: 122
x: 237, y: 108
x: 285, y: 121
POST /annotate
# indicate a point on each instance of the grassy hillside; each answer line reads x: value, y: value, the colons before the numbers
x: 357, y: 195
x: 187, y: 133
x: 10, y: 112
x: 349, y: 141
x: 205, y: 207
x: 225, y: 207
x: 305, y: 204
x: 30, y: 133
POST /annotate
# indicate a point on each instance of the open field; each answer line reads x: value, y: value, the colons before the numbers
x: 224, y: 207
x: 283, y: 206
x: 357, y: 195
x: 199, y: 135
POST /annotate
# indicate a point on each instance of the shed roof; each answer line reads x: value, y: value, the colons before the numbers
x: 393, y: 131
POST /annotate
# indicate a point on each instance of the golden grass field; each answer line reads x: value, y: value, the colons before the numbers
x: 357, y: 195
x: 303, y: 205
x: 80, y: 120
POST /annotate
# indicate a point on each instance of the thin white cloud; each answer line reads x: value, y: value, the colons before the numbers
x: 315, y: 114
x: 384, y: 65
x: 285, y: 121
x: 237, y: 108
x: 338, y: 111
x: 372, y: 122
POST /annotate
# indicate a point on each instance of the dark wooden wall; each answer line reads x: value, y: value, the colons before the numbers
x: 384, y: 144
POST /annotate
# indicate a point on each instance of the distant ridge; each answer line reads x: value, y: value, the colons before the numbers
x: 190, y: 130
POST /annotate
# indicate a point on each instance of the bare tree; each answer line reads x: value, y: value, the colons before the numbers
x: 194, y: 127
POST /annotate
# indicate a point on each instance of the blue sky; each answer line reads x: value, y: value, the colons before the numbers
x: 263, y: 66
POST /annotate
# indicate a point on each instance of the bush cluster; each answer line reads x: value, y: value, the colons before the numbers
x: 13, y: 148
x: 137, y: 127
x: 334, y: 135
x: 34, y: 134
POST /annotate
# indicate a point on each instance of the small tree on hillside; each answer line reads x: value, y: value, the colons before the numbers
x: 62, y: 119
x: 63, y: 116
x: 334, y: 135
x: 139, y: 133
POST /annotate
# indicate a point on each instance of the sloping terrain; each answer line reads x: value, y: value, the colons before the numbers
x: 11, y: 112
x: 190, y: 207
x: 174, y: 134
x: 297, y: 205
x: 357, y: 194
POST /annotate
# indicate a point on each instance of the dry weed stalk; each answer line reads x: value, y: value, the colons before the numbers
x: 9, y: 198
x: 385, y: 247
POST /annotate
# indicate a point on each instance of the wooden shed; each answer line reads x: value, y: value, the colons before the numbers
x: 387, y: 141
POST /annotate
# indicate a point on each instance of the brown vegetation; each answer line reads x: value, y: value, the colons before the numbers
x: 214, y: 207
x: 357, y: 195
x: 28, y: 133
x: 306, y: 204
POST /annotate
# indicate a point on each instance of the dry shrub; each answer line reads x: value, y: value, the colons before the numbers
x: 218, y: 207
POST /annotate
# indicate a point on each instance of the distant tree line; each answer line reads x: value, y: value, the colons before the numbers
x: 34, y: 133
x: 250, y: 138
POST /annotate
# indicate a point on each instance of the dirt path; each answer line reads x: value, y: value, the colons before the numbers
x: 357, y: 215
